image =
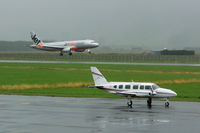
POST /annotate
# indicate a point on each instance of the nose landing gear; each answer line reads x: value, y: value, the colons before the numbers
x: 149, y: 101
x: 61, y: 54
x: 166, y: 103
x: 129, y: 102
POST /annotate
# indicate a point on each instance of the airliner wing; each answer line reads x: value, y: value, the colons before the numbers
x: 53, y: 46
x: 65, y: 48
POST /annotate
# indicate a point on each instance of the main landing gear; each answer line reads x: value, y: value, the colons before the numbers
x: 149, y: 101
x: 129, y: 102
x: 166, y: 103
x: 61, y: 54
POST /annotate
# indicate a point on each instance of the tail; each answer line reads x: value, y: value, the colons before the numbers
x: 35, y: 39
x: 98, y: 78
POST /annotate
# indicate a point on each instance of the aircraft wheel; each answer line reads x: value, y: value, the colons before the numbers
x: 130, y: 103
x: 89, y: 51
x: 70, y: 53
x: 61, y: 54
x: 149, y: 101
x: 166, y: 104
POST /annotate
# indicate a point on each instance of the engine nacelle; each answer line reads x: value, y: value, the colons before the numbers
x: 66, y: 50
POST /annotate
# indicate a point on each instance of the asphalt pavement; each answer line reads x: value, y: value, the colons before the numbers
x: 93, y: 62
x: 37, y: 114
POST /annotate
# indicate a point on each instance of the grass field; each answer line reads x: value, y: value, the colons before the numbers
x: 70, y: 79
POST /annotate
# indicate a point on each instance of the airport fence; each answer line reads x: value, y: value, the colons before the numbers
x: 104, y: 57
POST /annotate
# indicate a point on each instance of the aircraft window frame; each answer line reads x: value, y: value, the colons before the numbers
x: 141, y: 87
x: 154, y: 87
x: 137, y: 86
x: 147, y: 88
x: 127, y: 86
x: 121, y: 86
x: 115, y: 86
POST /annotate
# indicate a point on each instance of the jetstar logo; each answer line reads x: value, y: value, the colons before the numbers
x: 35, y: 40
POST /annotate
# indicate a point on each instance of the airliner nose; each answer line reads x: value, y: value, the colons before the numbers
x: 96, y: 44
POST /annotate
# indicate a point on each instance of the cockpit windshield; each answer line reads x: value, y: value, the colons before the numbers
x: 155, y: 86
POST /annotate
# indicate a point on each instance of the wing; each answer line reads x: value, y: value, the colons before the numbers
x: 54, y: 47
x: 127, y: 93
x: 67, y: 48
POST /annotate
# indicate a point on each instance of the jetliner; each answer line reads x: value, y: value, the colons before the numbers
x: 64, y: 46
x: 132, y: 89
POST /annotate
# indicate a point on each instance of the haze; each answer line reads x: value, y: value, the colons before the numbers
x: 152, y: 24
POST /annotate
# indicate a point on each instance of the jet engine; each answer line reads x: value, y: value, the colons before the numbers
x: 66, y: 49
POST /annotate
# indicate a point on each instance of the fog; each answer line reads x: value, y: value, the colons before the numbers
x: 150, y: 24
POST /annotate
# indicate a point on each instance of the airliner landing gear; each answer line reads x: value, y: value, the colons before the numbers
x: 167, y: 103
x: 129, y: 103
x: 70, y: 53
x: 61, y: 54
x: 89, y: 51
x: 149, y: 101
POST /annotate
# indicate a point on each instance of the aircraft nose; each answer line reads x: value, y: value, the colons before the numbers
x: 174, y: 93
x: 96, y: 44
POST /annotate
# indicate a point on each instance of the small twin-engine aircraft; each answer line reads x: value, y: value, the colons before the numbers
x: 131, y: 89
x: 64, y: 46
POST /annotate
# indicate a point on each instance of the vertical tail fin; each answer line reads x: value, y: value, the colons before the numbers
x: 36, y: 40
x: 98, y: 78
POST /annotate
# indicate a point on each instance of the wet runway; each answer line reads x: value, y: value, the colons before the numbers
x: 34, y: 114
x: 93, y: 62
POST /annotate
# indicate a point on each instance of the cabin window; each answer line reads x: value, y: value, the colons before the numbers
x: 115, y: 86
x: 127, y: 86
x: 147, y: 87
x: 120, y: 86
x: 135, y: 86
x: 141, y: 87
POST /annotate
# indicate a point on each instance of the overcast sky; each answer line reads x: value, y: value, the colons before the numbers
x: 143, y: 23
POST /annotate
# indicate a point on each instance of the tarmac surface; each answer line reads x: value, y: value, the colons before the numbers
x: 37, y: 114
x: 93, y: 62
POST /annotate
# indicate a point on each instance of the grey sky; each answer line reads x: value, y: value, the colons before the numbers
x: 145, y: 23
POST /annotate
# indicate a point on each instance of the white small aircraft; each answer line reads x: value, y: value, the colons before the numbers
x: 64, y: 46
x: 131, y: 89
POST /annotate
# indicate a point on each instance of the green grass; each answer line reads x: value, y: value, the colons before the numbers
x: 22, y: 73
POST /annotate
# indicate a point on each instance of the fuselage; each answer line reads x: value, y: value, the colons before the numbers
x: 137, y: 89
x: 78, y: 45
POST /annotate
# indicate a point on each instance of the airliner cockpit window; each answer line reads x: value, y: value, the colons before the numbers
x: 155, y: 87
